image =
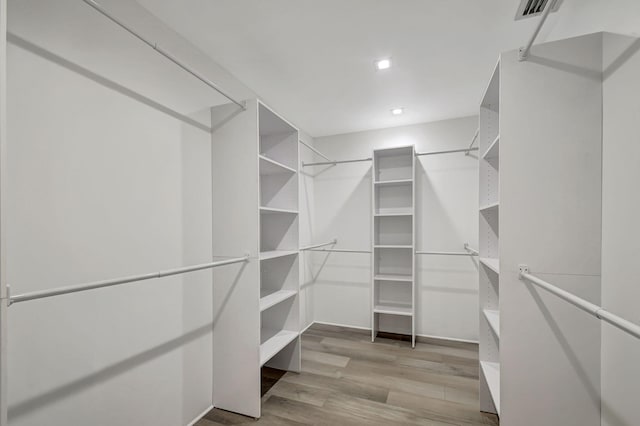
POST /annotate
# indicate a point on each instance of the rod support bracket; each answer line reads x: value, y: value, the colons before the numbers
x: 524, y: 269
x: 9, y: 302
x: 522, y: 55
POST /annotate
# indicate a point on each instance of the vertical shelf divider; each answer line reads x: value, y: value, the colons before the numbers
x: 489, y: 245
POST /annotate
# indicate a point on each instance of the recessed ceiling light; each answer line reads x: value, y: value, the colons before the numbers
x: 397, y: 111
x: 383, y: 64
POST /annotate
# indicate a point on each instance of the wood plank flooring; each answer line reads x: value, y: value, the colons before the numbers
x: 347, y: 380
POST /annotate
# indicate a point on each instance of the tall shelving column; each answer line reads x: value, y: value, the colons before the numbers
x: 279, y: 242
x: 393, y: 242
x: 489, y: 240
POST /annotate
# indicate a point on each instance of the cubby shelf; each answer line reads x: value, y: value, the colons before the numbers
x: 394, y: 182
x: 272, y: 210
x: 392, y: 246
x: 273, y: 167
x: 490, y: 207
x: 275, y: 343
x: 491, y: 263
x: 493, y: 150
x: 491, y: 372
x: 273, y: 254
x: 393, y: 309
x: 493, y: 318
x: 393, y: 277
x: 273, y: 299
x: 399, y: 214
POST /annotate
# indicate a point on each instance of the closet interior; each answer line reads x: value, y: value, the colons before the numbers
x: 449, y: 261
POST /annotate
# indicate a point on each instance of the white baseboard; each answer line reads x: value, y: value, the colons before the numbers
x: 427, y: 336
x: 200, y: 416
x: 307, y: 327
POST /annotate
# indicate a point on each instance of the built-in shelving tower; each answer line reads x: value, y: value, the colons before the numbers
x: 393, y: 242
x: 279, y: 271
x: 255, y: 212
x: 489, y: 240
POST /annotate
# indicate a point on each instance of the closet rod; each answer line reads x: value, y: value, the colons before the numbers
x: 333, y: 163
x: 314, y: 150
x: 451, y: 151
x: 117, y: 281
x: 523, y: 53
x: 334, y: 241
x: 163, y: 52
x: 343, y: 251
x: 595, y: 310
x: 472, y: 250
x: 446, y: 253
x: 475, y: 137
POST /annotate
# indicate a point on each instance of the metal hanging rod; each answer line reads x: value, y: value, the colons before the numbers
x: 475, y: 137
x: 523, y: 53
x: 163, y: 52
x: 314, y: 150
x: 118, y: 281
x: 333, y: 163
x: 472, y: 250
x: 342, y: 251
x: 451, y: 151
x: 334, y: 241
x: 595, y: 310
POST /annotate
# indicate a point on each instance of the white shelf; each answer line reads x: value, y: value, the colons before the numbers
x: 491, y: 263
x: 394, y: 182
x: 409, y: 213
x: 275, y: 344
x: 393, y: 309
x: 488, y: 207
x: 392, y: 246
x: 493, y: 318
x: 273, y: 299
x: 494, y: 149
x: 393, y: 277
x: 491, y: 372
x: 272, y: 210
x: 272, y: 167
x: 265, y: 255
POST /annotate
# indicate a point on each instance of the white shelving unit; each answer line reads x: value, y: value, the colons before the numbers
x: 257, y: 307
x: 393, y: 242
x: 489, y: 240
x: 279, y: 242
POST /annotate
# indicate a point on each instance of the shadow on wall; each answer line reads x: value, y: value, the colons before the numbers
x: 50, y: 397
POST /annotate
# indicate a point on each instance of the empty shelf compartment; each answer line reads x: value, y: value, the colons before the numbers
x: 491, y: 373
x: 493, y: 318
x: 491, y: 263
x: 393, y: 309
x: 271, y: 299
x: 273, y: 341
x: 393, y: 277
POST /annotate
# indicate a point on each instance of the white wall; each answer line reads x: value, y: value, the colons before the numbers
x: 101, y: 184
x: 447, y: 202
x: 620, y: 228
x: 579, y: 17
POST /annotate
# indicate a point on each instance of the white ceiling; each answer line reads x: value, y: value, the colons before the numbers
x: 312, y: 60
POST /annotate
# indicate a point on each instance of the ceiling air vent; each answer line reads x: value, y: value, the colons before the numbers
x: 530, y: 8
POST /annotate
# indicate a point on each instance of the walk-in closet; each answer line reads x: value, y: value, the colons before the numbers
x: 295, y: 212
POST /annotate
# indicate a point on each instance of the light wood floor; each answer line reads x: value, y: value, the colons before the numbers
x: 347, y: 380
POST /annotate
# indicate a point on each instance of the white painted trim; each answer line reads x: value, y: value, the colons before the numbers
x: 200, y: 416
x: 428, y: 336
